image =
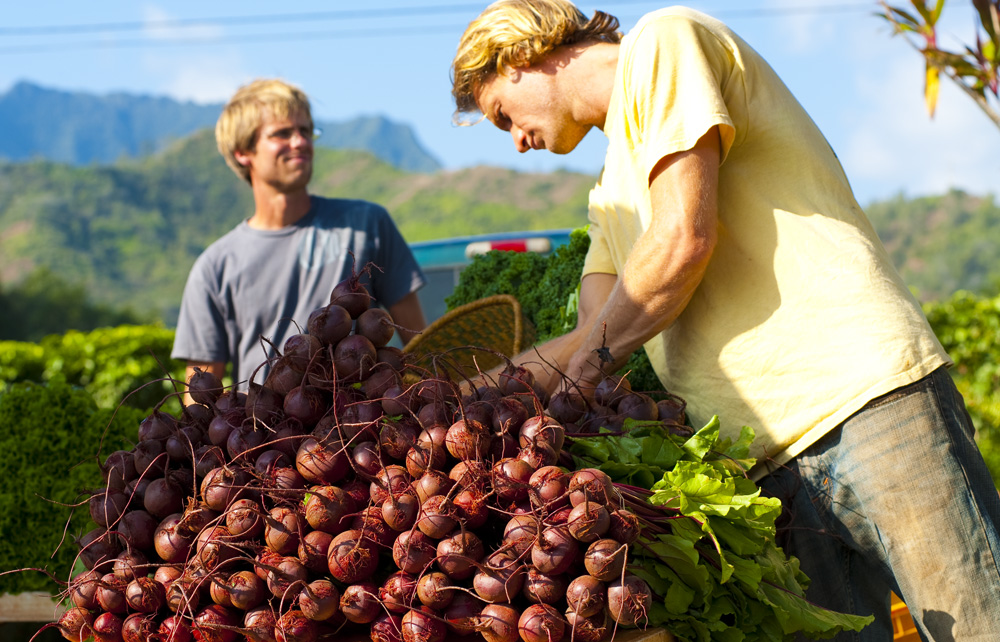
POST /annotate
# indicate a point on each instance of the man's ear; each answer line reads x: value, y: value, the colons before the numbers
x: 242, y: 158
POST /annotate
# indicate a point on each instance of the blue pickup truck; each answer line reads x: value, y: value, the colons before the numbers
x: 443, y: 260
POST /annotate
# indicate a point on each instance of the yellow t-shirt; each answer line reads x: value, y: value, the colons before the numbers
x: 801, y: 318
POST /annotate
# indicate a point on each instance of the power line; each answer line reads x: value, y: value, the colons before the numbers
x: 361, y: 14
x: 222, y: 40
x: 150, y: 41
x: 180, y: 23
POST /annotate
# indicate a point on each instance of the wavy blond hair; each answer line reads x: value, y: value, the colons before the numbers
x: 239, y: 125
x: 512, y: 34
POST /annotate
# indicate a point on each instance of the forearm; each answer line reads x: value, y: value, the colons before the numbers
x: 656, y: 285
x: 408, y: 314
x: 666, y: 263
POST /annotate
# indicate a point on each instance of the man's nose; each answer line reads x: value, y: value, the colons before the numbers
x: 520, y: 139
x: 300, y: 139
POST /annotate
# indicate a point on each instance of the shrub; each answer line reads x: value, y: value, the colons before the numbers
x: 968, y: 327
x: 111, y: 363
x: 53, y: 438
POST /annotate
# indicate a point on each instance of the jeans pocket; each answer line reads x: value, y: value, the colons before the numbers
x: 899, y: 393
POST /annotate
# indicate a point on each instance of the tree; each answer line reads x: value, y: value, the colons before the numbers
x: 974, y: 70
x: 46, y: 304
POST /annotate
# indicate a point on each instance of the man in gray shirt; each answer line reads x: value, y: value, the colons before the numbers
x: 263, y: 279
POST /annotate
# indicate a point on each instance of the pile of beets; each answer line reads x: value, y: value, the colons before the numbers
x: 356, y: 493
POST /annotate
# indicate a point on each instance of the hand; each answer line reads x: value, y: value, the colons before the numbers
x: 584, y: 370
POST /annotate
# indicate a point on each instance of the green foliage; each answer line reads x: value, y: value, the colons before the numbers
x: 45, y: 304
x: 547, y: 289
x: 974, y: 68
x: 711, y: 559
x: 54, y: 436
x: 95, y: 228
x: 501, y: 272
x: 21, y: 362
x: 968, y: 327
x: 941, y: 244
x: 110, y: 363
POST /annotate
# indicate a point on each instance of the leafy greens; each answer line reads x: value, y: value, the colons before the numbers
x: 711, y: 558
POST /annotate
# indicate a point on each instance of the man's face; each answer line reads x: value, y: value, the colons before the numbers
x: 527, y: 104
x: 283, y: 156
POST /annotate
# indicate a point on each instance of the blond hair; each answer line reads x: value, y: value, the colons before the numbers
x: 512, y: 34
x: 239, y: 124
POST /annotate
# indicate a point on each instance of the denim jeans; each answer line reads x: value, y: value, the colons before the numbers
x: 898, y: 498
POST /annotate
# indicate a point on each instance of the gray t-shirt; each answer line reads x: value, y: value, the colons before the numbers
x: 261, y: 283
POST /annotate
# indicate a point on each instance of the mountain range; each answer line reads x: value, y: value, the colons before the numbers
x: 81, y: 128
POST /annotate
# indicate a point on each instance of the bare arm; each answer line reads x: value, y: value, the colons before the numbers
x: 215, y: 367
x: 408, y: 313
x: 594, y: 292
x: 666, y: 264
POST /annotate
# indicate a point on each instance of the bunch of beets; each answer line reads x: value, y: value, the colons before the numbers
x: 356, y: 493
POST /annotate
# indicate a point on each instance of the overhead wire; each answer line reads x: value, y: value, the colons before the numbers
x: 156, y: 38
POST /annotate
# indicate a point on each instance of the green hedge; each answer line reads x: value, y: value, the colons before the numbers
x: 57, y: 400
x: 969, y: 329
x: 110, y: 363
x: 53, y: 436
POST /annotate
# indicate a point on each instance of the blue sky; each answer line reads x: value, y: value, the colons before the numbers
x: 862, y: 86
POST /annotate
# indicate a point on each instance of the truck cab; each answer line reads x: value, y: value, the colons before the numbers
x: 443, y: 260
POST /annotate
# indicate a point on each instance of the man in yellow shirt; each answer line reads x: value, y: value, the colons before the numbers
x: 726, y: 241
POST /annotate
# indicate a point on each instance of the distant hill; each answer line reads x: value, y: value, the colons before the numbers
x: 941, y: 244
x: 386, y: 140
x: 80, y: 128
x: 129, y: 232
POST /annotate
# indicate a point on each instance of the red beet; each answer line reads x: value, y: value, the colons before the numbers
x: 352, y: 557
x: 375, y: 324
x: 629, y: 601
x: 359, y: 603
x: 540, y: 623
x: 422, y: 625
x: 498, y: 623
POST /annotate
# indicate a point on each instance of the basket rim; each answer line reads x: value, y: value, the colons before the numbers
x: 495, y: 300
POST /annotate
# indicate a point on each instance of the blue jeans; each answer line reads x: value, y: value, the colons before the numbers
x: 898, y: 498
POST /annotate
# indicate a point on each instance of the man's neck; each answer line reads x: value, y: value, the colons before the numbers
x: 275, y: 210
x: 589, y: 74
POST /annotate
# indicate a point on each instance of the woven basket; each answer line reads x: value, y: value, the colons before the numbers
x: 464, y: 341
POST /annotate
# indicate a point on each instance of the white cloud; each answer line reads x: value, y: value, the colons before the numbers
x: 155, y: 16
x: 200, y: 74
x: 206, y: 81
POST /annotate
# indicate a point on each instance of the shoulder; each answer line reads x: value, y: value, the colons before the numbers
x: 344, y: 213
x: 674, y: 26
x: 347, y: 209
x: 672, y: 18
x: 224, y: 246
